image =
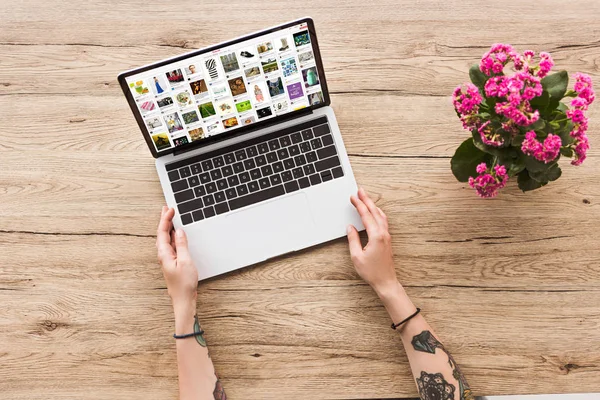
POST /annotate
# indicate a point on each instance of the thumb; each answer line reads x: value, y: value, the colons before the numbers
x: 354, y: 241
x: 181, y: 244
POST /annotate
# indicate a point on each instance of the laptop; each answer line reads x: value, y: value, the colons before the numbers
x: 247, y: 147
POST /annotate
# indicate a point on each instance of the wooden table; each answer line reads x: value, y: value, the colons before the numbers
x: 512, y: 285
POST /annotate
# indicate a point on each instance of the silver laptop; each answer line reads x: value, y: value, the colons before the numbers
x: 247, y: 147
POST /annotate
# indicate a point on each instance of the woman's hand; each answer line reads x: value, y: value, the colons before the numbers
x: 177, y: 265
x: 374, y: 263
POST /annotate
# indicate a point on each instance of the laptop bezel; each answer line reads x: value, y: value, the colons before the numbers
x: 239, y: 131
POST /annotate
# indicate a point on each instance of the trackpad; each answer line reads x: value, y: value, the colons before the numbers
x: 271, y: 228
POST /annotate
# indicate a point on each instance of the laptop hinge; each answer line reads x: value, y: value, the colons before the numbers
x: 299, y: 113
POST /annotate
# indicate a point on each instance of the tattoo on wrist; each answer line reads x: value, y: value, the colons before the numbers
x: 430, y: 384
x: 199, y: 338
x: 219, y: 392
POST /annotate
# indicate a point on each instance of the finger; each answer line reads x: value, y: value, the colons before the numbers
x: 163, y: 237
x: 365, y: 215
x: 362, y: 194
x: 354, y: 243
x: 181, y: 244
x: 385, y: 219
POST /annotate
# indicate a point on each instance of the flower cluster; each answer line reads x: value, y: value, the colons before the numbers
x: 466, y: 103
x: 497, y: 57
x: 518, y: 90
x: 546, y: 151
x: 585, y: 96
x: 489, y: 181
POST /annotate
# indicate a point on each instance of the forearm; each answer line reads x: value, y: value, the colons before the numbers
x: 434, y: 369
x: 197, y: 378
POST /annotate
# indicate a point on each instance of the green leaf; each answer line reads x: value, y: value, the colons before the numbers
x: 566, y: 151
x: 541, y: 102
x: 465, y: 160
x: 537, y: 125
x: 550, y: 174
x: 478, y: 78
x: 565, y: 133
x: 515, y: 167
x: 533, y: 165
x: 562, y: 106
x: 556, y: 84
x: 526, y: 183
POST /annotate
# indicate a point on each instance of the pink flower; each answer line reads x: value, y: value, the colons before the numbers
x: 583, y: 87
x: 494, y: 60
x: 528, y: 54
x: 546, y: 152
x: 518, y: 90
x: 579, y: 102
x: 580, y: 148
x: 546, y: 64
x: 489, y: 182
x: 466, y: 103
x: 489, y: 136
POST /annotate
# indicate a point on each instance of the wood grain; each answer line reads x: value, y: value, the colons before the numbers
x: 512, y: 285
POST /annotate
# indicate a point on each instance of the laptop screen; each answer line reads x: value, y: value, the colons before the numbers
x: 205, y: 95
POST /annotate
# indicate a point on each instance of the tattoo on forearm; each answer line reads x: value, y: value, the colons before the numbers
x: 199, y: 338
x: 430, y: 384
x: 219, y: 393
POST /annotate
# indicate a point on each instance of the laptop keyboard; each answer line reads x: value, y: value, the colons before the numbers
x: 254, y: 171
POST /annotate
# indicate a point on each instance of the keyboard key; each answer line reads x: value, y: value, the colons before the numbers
x: 229, y: 158
x: 260, y: 161
x: 193, y: 181
x: 307, y: 134
x: 199, y: 191
x: 256, y: 197
x: 274, y: 144
x: 251, y: 151
x: 294, y: 150
x: 297, y: 172
x: 221, y: 208
x: 227, y: 170
x: 255, y: 174
x: 185, y: 172
x: 327, y: 140
x: 218, y: 162
x: 278, y: 167
x: 285, y: 141
x: 240, y: 155
x: 209, y: 200
x: 263, y: 148
x: 230, y: 193
x: 266, y: 170
x: 264, y: 183
x: 222, y: 184
x: 300, y: 160
x: 233, y: 181
x: 204, y: 178
x: 275, y: 179
x: 186, y: 219
x: 296, y: 137
x: 189, y: 206
x: 198, y: 215
x: 311, y: 157
x: 316, y: 143
x: 209, y: 212
x: 288, y: 163
x: 242, y: 190
x: 238, y: 167
x: 271, y: 157
x: 249, y: 164
x: 282, y: 154
x: 321, y: 130
x: 179, y: 185
x: 291, y: 186
x: 326, y: 152
x: 244, y: 177
x: 173, y: 175
x: 337, y: 172
x: 184, y: 196
x: 253, y: 186
x: 219, y: 197
x: 315, y: 179
x: 286, y: 176
x: 326, y: 176
x: 304, y: 147
x: 327, y: 163
x: 309, y: 169
x: 196, y: 169
x: 216, y: 174
x: 211, y: 187
x: 207, y: 165
x: 304, y: 183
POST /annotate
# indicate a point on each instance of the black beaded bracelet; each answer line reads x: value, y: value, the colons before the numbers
x: 394, y: 326
x: 187, y: 335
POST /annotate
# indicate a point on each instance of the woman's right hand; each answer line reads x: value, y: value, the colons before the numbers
x: 374, y: 263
